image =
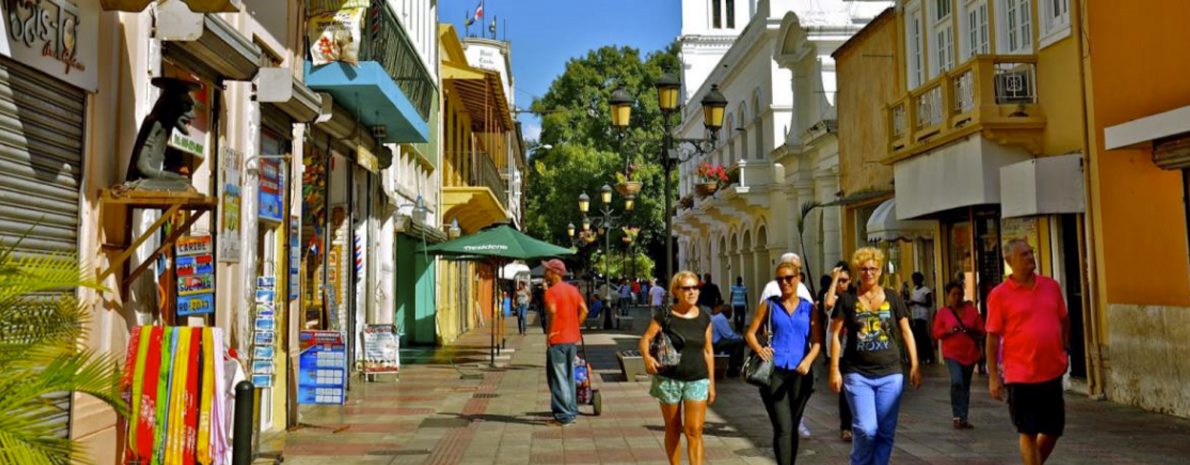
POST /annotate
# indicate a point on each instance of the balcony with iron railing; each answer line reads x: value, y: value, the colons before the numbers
x: 489, y: 177
x: 389, y: 90
x: 992, y: 94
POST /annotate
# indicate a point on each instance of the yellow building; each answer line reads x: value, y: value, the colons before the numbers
x: 1138, y: 115
x: 982, y: 129
x: 481, y: 154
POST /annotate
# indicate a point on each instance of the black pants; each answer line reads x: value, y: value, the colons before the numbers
x: 735, y: 349
x: 785, y: 400
x: 844, y: 413
x: 739, y: 317
x: 925, y: 344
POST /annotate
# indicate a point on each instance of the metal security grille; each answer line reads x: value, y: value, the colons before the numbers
x: 41, y: 153
x: 41, y: 156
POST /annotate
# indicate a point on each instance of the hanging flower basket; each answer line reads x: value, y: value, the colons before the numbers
x: 706, y: 188
x: 627, y: 239
x: 628, y: 188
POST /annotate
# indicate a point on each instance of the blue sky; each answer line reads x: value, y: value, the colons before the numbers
x: 545, y: 34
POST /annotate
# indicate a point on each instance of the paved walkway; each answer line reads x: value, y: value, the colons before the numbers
x: 472, y: 414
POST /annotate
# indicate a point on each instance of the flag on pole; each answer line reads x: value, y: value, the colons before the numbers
x: 492, y: 27
x: 479, y: 10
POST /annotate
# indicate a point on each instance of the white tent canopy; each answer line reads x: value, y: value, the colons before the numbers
x: 883, y: 225
x: 516, y: 270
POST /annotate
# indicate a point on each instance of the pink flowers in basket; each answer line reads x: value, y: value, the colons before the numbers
x: 709, y: 173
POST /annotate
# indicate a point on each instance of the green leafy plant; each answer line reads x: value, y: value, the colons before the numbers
x: 42, y: 328
x: 626, y: 175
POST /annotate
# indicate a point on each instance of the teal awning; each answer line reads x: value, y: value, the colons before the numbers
x: 368, y: 91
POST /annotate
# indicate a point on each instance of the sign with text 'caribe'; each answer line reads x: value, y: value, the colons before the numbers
x: 57, y: 37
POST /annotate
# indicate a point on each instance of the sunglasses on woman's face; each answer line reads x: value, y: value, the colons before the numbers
x: 689, y: 288
x: 786, y: 279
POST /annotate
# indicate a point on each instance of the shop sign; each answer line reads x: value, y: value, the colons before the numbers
x: 56, y: 37
x: 322, y: 368
x: 272, y: 183
x: 196, y: 284
x: 381, y: 349
x: 202, y: 304
x: 197, y: 264
x: 194, y: 245
x: 229, y: 229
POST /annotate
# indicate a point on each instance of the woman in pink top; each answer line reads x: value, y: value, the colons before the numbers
x: 959, y: 327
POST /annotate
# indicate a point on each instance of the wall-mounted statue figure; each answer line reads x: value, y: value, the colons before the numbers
x: 149, y: 168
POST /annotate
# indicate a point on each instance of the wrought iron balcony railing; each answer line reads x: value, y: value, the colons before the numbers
x: 386, y: 42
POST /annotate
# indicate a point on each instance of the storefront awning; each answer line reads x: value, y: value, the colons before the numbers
x: 482, y: 94
x: 368, y: 92
x: 1167, y: 134
x: 197, y: 6
x: 221, y: 51
x: 1043, y: 186
x: 883, y: 225
x: 965, y: 173
x: 475, y: 207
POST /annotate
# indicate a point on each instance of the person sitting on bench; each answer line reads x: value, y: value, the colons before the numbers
x: 596, y: 309
x: 725, y: 340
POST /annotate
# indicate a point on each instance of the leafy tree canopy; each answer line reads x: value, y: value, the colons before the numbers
x: 587, y: 151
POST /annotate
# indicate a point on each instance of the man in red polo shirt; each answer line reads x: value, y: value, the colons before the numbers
x: 566, y: 309
x: 1027, y: 315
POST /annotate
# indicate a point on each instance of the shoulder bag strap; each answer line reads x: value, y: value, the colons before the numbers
x: 772, y: 331
x: 962, y: 326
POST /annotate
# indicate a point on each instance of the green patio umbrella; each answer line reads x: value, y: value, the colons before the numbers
x: 500, y: 242
x: 496, y: 245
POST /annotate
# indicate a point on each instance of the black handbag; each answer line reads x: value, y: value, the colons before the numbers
x: 662, y: 348
x: 758, y: 371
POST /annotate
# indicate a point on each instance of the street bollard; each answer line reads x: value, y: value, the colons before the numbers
x: 241, y: 446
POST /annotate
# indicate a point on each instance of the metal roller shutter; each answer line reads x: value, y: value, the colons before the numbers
x: 41, y: 156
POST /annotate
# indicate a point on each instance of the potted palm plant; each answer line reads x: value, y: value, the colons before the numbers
x: 709, y: 177
x: 625, y: 184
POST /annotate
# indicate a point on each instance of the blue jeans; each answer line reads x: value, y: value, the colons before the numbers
x: 520, y: 318
x: 560, y: 374
x: 875, y: 404
x: 960, y: 387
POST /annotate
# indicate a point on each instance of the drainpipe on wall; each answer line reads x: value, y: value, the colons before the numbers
x: 1096, y: 375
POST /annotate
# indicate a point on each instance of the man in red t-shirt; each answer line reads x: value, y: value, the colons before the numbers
x: 566, y: 309
x: 1027, y: 315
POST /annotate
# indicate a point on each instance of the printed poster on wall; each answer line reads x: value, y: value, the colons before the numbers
x: 229, y: 229
x: 322, y: 368
x: 272, y: 184
x: 295, y: 256
x: 381, y: 349
x: 264, y: 337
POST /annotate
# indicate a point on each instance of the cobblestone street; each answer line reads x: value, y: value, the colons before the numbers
x: 471, y: 414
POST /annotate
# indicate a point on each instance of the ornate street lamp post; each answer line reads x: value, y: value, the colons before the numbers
x: 605, y: 223
x: 668, y: 87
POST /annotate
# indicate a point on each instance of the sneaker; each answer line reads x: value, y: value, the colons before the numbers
x: 555, y: 422
x: 802, y: 430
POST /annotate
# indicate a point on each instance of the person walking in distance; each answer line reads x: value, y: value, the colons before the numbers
x: 1027, y: 315
x: 794, y: 344
x: 869, y: 369
x: 959, y: 328
x: 709, y: 296
x: 566, y: 309
x: 840, y: 283
x: 773, y: 289
x: 739, y: 303
x: 726, y: 340
x: 921, y: 301
x: 684, y: 391
x: 522, y: 306
x: 656, y: 297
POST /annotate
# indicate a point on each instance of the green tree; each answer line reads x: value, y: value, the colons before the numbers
x: 41, y: 329
x: 587, y: 152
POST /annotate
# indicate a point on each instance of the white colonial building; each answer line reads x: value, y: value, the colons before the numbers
x: 777, y: 140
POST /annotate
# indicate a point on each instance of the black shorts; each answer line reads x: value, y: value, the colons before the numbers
x: 1037, y: 408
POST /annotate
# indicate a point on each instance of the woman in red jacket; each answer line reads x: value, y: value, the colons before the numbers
x: 959, y: 328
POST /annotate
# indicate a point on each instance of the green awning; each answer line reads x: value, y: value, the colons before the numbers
x: 502, y: 241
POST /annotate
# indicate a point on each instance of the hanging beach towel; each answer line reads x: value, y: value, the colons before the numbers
x: 132, y: 362
x: 164, y: 388
x: 203, y: 440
